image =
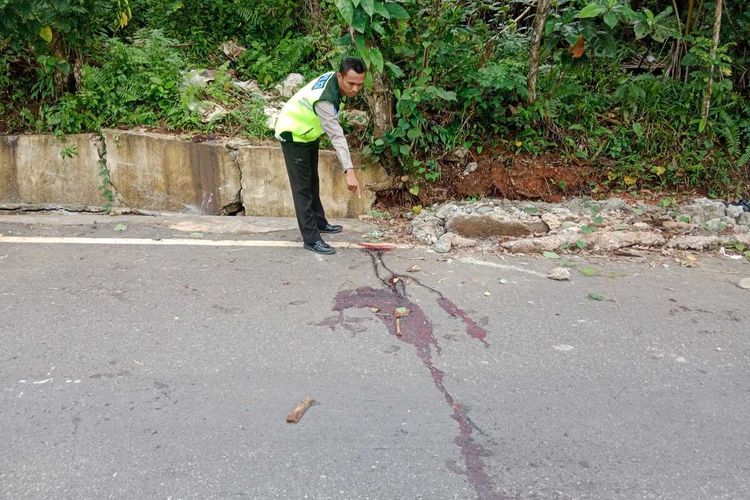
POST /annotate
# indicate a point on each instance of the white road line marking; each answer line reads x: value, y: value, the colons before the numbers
x: 189, y: 242
x: 472, y: 260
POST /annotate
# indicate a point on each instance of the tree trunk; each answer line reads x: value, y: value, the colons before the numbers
x: 689, y: 19
x: 714, y: 48
x: 542, y: 8
x: 62, y: 54
x: 380, y: 101
x: 675, y: 64
x: 78, y: 70
x: 314, y: 12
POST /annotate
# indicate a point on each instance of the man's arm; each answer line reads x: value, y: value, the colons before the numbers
x: 332, y: 127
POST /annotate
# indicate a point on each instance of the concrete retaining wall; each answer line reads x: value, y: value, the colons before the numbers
x: 265, y: 184
x: 32, y: 170
x: 161, y: 172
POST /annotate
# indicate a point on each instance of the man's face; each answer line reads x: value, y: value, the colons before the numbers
x: 350, y: 83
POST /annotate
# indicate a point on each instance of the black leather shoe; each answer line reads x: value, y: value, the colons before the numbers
x: 321, y: 247
x: 331, y: 228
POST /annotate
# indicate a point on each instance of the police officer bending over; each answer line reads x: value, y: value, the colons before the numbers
x: 304, y: 118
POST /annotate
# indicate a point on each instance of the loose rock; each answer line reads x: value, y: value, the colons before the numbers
x: 559, y: 274
x: 471, y: 167
x: 356, y: 117
x: 733, y: 211
x: 427, y: 229
x: 443, y: 245
x: 461, y: 242
x: 718, y: 224
x: 447, y: 211
x: 458, y: 154
x: 291, y: 84
x: 744, y: 283
x: 703, y: 209
x: 553, y: 221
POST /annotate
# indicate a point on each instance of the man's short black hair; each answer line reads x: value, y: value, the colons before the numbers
x: 354, y: 63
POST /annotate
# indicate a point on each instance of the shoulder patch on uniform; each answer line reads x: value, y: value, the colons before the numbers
x: 322, y: 81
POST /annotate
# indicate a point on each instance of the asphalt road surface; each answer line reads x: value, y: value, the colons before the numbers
x: 167, y: 371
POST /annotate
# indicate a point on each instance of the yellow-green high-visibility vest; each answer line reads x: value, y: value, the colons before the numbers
x: 298, y: 114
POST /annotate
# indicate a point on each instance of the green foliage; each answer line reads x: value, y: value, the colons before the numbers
x: 370, y: 21
x: 47, y: 26
x: 269, y: 65
x: 610, y: 94
x: 136, y: 84
x: 203, y: 25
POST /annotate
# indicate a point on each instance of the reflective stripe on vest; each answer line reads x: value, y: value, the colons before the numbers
x: 298, y: 116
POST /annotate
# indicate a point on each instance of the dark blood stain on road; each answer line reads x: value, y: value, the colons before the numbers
x: 417, y: 331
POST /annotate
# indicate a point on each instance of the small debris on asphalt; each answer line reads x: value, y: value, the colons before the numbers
x: 374, y: 309
x: 559, y: 274
x: 588, y: 271
x: 414, y: 268
x: 689, y: 260
x: 628, y: 252
x: 299, y: 410
x: 374, y: 235
x: 400, y: 312
x: 723, y: 253
x: 595, y: 296
x: 563, y: 347
x: 487, y: 294
x: 744, y: 283
x: 120, y: 227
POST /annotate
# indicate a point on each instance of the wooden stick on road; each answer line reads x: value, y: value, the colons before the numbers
x: 299, y: 410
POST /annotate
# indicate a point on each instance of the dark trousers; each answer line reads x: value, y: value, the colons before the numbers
x: 301, y: 160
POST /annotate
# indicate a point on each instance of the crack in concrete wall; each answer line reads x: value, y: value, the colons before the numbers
x: 9, y: 185
x: 235, y: 207
x: 107, y: 190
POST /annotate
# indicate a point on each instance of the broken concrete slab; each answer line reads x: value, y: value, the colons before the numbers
x: 547, y: 243
x: 494, y: 224
x: 607, y: 241
x: 602, y: 242
x: 703, y: 209
x: 707, y: 242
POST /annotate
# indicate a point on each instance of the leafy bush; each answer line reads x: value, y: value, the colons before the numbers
x: 203, y: 25
x: 136, y: 84
x: 268, y: 65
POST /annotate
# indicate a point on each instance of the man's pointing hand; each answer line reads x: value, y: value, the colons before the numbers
x: 352, y: 183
